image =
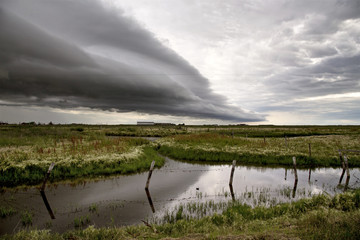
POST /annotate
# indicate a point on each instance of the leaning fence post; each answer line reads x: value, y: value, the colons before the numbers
x: 296, y: 177
x: 47, y: 205
x: 232, y: 172
x: 149, y: 176
x: 47, y: 176
x: 294, y: 163
x: 343, y: 167
x: 150, y: 200
x: 347, y: 172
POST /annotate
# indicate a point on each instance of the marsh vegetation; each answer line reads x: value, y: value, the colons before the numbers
x: 191, y: 197
x: 27, y: 151
x: 310, y: 151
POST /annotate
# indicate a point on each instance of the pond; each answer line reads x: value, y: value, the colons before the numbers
x: 200, y: 189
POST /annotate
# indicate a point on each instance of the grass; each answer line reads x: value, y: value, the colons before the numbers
x: 93, y: 208
x: 6, y: 211
x: 215, y: 147
x: 320, y: 217
x: 27, y: 151
x: 81, y: 221
x: 81, y: 151
x: 26, y: 218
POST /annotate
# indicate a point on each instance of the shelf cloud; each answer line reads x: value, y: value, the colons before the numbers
x: 69, y: 54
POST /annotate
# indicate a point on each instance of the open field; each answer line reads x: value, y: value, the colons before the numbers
x: 312, y: 146
x: 320, y: 217
x: 27, y: 151
x: 81, y: 151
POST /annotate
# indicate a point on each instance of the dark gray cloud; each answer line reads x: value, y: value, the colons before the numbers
x: 68, y: 54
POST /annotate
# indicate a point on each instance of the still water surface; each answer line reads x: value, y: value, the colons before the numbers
x: 122, y: 200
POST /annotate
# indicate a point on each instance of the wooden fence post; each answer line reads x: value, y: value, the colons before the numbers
x: 232, y: 192
x: 47, y: 205
x: 149, y: 176
x: 347, y: 172
x: 294, y: 163
x: 47, y: 176
x: 343, y: 167
x: 232, y: 172
x: 150, y: 200
x: 294, y: 188
x: 296, y: 177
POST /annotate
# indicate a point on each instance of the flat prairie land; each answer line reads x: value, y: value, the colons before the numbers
x: 27, y: 150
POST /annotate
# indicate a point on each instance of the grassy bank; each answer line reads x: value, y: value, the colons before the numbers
x: 321, y: 217
x: 27, y: 151
x: 262, y: 151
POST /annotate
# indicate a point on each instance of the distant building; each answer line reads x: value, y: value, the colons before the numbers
x: 146, y: 123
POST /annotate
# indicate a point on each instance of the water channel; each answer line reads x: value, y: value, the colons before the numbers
x: 122, y: 200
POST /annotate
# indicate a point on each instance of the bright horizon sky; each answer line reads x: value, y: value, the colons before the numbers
x: 195, y: 62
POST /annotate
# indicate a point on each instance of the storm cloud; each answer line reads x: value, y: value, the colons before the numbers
x: 69, y: 54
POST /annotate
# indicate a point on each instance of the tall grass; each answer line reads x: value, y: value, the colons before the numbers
x: 321, y: 217
x: 33, y: 174
x: 279, y: 151
x: 27, y: 151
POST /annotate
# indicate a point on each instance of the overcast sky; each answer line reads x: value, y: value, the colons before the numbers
x: 191, y: 61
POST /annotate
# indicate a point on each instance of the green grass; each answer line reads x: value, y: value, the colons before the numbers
x: 6, y: 211
x: 215, y: 147
x: 32, y: 174
x: 26, y: 152
x: 26, y: 218
x: 81, y: 221
x: 81, y: 151
x: 93, y: 208
x: 320, y: 217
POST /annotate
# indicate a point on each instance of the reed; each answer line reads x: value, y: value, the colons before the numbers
x: 320, y: 217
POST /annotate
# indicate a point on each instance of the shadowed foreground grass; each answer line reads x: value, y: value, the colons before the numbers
x: 321, y: 217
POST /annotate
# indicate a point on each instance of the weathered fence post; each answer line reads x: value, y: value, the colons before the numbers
x: 285, y: 173
x: 150, y: 200
x: 42, y: 191
x: 343, y: 167
x: 296, y: 177
x: 294, y: 188
x: 232, y: 172
x: 310, y: 150
x: 47, y: 205
x: 347, y: 172
x: 149, y: 176
x: 294, y: 163
x: 47, y: 176
x: 232, y: 192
